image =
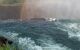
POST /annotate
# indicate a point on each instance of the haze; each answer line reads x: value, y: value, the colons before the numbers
x: 60, y: 9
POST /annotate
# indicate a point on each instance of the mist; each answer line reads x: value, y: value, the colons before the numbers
x: 60, y: 9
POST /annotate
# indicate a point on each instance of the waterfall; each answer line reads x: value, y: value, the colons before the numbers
x: 60, y: 9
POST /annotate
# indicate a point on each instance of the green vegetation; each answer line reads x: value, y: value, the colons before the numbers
x: 7, y: 47
x: 10, y: 1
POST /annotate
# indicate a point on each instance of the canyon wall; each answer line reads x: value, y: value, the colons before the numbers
x: 10, y: 12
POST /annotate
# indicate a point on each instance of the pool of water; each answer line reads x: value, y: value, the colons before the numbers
x: 43, y: 35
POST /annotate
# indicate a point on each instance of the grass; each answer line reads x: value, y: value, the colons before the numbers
x: 7, y: 47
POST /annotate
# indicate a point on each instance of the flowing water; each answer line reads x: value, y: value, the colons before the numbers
x: 43, y: 35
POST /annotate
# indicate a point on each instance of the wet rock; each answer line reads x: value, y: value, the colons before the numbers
x: 38, y: 19
x: 4, y: 41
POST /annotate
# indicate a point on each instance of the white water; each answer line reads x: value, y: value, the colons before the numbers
x: 46, y: 41
x: 73, y: 29
x: 27, y: 44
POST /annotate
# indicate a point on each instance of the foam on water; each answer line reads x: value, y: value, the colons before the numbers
x: 10, y: 35
x: 27, y: 43
x: 26, y: 39
x: 73, y: 30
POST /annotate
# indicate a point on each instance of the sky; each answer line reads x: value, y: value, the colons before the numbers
x: 60, y: 9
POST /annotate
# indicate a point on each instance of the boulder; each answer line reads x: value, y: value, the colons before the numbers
x: 4, y: 41
x: 38, y: 19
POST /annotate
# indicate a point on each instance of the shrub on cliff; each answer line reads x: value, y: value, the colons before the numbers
x: 7, y: 47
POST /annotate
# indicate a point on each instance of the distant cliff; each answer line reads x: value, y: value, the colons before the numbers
x: 10, y: 12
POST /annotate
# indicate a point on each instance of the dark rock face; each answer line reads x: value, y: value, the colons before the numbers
x: 4, y: 41
x: 38, y: 19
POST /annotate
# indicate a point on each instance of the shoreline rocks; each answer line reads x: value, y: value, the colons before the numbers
x: 4, y: 41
